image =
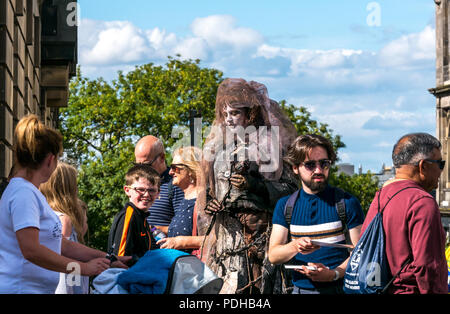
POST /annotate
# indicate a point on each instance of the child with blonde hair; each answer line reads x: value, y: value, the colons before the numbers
x: 61, y: 192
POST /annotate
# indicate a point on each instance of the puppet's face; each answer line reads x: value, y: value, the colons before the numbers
x: 235, y: 117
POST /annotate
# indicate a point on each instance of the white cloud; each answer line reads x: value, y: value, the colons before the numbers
x: 159, y: 39
x: 213, y: 38
x: 192, y: 48
x: 117, y: 42
x: 219, y: 40
x: 311, y: 61
x: 409, y: 49
x: 395, y: 120
x: 384, y: 144
x: 348, y: 123
x: 219, y: 30
x: 370, y: 98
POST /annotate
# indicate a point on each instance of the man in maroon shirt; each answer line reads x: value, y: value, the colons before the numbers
x: 411, y: 221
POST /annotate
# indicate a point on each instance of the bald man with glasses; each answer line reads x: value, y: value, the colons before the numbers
x: 149, y: 150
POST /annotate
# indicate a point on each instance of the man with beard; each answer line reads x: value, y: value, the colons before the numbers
x: 319, y: 269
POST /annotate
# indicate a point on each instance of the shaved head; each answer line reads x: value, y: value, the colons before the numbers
x: 147, y: 151
x: 144, y: 147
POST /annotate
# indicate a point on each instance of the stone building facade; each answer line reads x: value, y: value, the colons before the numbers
x: 442, y: 94
x: 38, y: 55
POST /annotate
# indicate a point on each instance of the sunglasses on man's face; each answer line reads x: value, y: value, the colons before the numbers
x: 311, y: 165
x: 440, y: 162
x: 147, y: 163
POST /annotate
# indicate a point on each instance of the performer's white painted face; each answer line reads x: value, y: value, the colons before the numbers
x: 235, y: 117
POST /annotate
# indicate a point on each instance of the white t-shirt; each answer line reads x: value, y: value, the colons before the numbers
x: 21, y: 206
x: 72, y: 285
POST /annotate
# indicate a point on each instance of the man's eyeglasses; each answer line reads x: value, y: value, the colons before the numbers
x: 142, y: 191
x: 147, y: 163
x: 311, y: 165
x: 440, y: 162
x: 177, y: 167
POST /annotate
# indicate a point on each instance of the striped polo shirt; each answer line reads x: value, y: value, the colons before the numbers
x: 163, y: 209
x: 315, y: 216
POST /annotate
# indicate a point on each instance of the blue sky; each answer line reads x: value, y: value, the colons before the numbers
x: 363, y: 67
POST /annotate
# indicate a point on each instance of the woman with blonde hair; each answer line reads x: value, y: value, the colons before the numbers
x: 33, y: 250
x: 188, y: 175
x: 61, y: 192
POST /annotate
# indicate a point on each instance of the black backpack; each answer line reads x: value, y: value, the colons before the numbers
x: 278, y: 275
x: 340, y: 208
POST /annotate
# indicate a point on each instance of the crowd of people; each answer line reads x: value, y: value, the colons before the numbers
x: 226, y: 204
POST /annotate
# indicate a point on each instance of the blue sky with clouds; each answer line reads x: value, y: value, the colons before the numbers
x: 362, y: 67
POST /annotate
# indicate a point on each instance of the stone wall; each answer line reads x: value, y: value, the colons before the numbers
x: 37, y: 58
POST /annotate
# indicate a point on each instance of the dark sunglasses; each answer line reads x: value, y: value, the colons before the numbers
x: 147, y: 163
x: 440, y: 162
x: 311, y: 165
x: 177, y: 167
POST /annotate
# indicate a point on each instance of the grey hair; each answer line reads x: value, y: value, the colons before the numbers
x: 413, y: 147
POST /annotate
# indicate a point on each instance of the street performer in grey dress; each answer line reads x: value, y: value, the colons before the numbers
x: 246, y: 175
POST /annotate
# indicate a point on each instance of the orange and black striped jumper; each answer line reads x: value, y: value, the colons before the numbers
x: 130, y: 233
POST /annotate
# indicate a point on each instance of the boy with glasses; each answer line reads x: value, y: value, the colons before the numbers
x: 130, y: 233
x: 319, y: 269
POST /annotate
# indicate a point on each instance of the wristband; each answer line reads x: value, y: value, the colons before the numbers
x: 337, y: 275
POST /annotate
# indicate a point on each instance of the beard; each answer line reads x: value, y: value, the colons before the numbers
x: 316, y: 186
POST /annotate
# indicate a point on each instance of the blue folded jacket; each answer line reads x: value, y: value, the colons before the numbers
x: 106, y: 282
x: 151, y: 273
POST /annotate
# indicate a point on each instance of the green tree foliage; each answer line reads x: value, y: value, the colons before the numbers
x: 362, y: 186
x: 305, y: 125
x: 104, y: 120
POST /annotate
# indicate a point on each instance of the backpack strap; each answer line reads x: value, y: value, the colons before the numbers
x: 170, y: 192
x: 385, y: 289
x: 288, y: 208
x: 379, y: 193
x: 340, y: 208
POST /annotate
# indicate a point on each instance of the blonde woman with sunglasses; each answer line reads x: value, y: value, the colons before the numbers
x: 188, y: 175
